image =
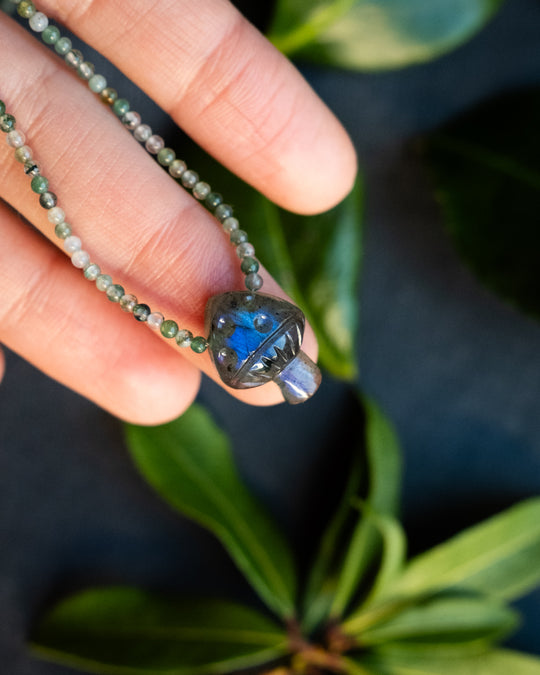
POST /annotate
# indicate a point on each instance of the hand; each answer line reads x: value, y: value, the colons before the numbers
x: 226, y: 86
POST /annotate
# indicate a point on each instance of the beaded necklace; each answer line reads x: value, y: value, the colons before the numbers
x: 252, y: 338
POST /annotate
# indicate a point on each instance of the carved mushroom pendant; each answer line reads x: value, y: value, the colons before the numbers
x: 256, y: 338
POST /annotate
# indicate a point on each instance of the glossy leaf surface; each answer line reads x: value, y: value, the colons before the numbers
x: 190, y: 464
x: 449, y: 620
x: 125, y: 631
x: 499, y: 557
x: 496, y: 662
x: 384, y: 467
x: 486, y: 169
x: 376, y: 34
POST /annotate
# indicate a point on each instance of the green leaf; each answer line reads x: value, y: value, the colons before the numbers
x: 189, y: 463
x: 316, y: 259
x: 486, y: 170
x: 126, y: 631
x: 376, y: 34
x: 447, y: 620
x: 384, y: 466
x: 393, y: 554
x: 498, y: 557
x: 497, y: 662
x: 326, y: 250
x: 350, y: 543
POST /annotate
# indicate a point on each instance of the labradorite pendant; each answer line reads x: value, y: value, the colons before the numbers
x: 256, y: 338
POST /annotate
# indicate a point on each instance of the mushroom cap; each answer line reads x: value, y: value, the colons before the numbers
x: 252, y: 336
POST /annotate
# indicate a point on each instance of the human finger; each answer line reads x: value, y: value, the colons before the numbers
x: 55, y: 321
x: 157, y: 252
x: 228, y: 88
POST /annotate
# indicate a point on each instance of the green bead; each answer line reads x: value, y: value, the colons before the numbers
x: 39, y: 184
x: 97, y: 83
x: 92, y: 271
x: 7, y: 123
x: 166, y: 156
x: 121, y: 106
x: 169, y: 328
x: 62, y: 46
x: 249, y: 265
x: 62, y: 230
x: 223, y: 211
x: 115, y: 292
x: 199, y: 344
x: 238, y: 237
x: 50, y: 35
x: 141, y: 312
x: 2, y: 108
x: 26, y: 9
x: 213, y: 200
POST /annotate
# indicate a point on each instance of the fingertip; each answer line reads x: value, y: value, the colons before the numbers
x: 156, y: 400
x: 327, y: 172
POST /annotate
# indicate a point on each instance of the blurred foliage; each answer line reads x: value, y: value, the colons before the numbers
x: 376, y: 34
x: 363, y: 607
x: 486, y: 170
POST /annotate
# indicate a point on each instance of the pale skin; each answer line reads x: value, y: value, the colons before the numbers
x: 236, y: 96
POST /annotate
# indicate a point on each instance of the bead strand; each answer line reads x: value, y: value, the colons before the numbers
x: 72, y: 244
x: 154, y: 144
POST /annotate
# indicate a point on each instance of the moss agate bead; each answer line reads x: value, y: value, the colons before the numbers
x: 121, y: 106
x: 189, y: 179
x: 74, y: 58
x: 238, y: 237
x: 103, y: 282
x: 2, y: 108
x: 230, y: 225
x: 97, y: 83
x: 201, y: 191
x: 169, y: 328
x: 166, y: 156
x: 26, y: 9
x: 213, y: 200
x: 38, y: 22
x: 199, y: 345
x: 177, y: 168
x: 115, y: 292
x: 109, y: 95
x: 249, y: 265
x: 50, y: 35
x: 141, y: 312
x: 86, y: 70
x: 223, y: 211
x: 253, y: 281
x: 184, y: 338
x: 92, y: 271
x: 128, y: 302
x: 39, y: 184
x: 154, y: 320
x: 23, y: 154
x: 48, y: 200
x: 62, y: 230
x: 62, y: 46
x: 7, y: 123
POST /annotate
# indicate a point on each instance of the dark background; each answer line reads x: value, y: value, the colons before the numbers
x: 457, y: 371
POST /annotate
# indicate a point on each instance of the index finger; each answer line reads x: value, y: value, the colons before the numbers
x: 228, y: 88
